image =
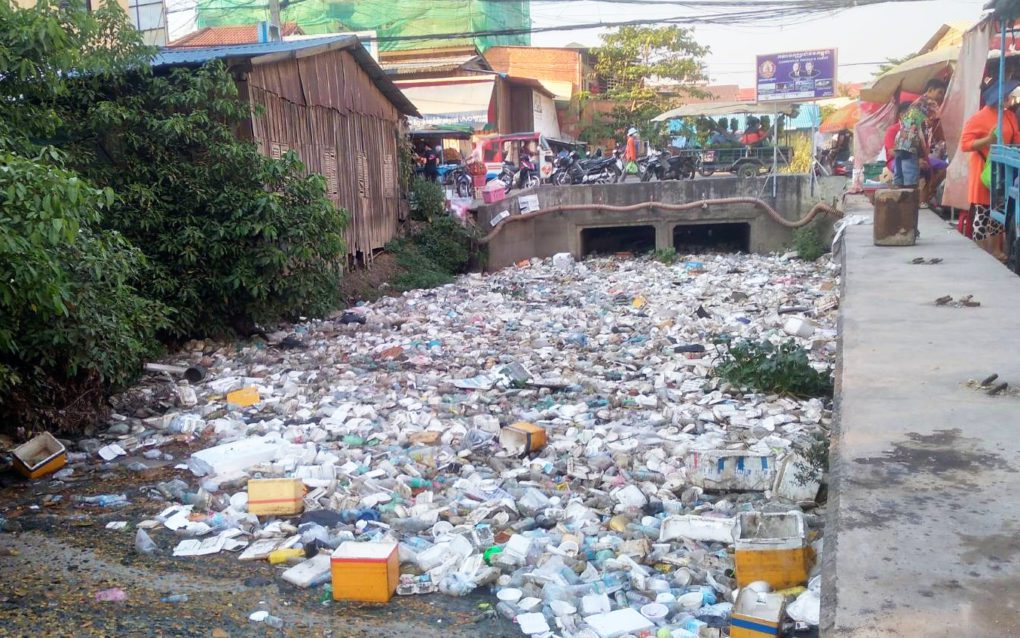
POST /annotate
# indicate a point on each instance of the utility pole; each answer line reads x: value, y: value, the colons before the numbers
x: 275, y: 28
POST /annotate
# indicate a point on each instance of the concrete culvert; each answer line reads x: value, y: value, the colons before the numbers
x: 712, y: 238
x: 617, y: 239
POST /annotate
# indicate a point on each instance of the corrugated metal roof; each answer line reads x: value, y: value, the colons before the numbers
x: 439, y: 64
x: 272, y: 51
x: 179, y: 57
x: 228, y: 35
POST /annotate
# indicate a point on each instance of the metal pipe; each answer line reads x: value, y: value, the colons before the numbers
x: 818, y: 208
x: 1002, y: 77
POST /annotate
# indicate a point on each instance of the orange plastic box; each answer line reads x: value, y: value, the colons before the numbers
x: 41, y: 456
x: 268, y: 497
x: 366, y: 572
x: 245, y: 397
x: 522, y: 438
x: 772, y: 547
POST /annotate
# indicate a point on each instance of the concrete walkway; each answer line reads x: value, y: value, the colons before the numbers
x: 923, y: 537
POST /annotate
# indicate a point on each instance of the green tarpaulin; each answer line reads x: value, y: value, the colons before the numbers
x: 388, y: 18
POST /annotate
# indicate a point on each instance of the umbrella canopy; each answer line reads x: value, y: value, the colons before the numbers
x: 843, y: 119
x: 912, y: 74
x: 716, y: 109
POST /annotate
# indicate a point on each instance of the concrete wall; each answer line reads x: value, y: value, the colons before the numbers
x: 547, y: 235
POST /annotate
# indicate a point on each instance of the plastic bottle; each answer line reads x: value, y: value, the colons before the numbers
x: 506, y: 610
x: 274, y: 621
x: 644, y: 530
x: 416, y: 483
x: 361, y: 514
x: 175, y: 598
x: 103, y: 500
x: 524, y: 525
x: 638, y: 599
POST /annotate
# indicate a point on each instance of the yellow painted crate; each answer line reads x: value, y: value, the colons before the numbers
x: 268, y: 497
x: 772, y: 548
x: 757, y: 615
x: 365, y: 572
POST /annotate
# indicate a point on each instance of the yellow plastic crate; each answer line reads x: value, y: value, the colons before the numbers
x: 772, y: 548
x: 365, y: 572
x: 267, y: 497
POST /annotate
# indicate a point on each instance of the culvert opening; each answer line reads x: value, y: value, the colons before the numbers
x: 618, y: 239
x: 712, y: 238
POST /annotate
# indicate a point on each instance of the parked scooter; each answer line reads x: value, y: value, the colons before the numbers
x: 570, y: 169
x: 524, y: 175
x: 664, y: 165
x: 458, y: 179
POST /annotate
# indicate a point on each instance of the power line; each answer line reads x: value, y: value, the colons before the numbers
x: 759, y: 12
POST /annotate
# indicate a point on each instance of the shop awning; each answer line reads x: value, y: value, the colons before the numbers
x: 717, y: 109
x: 450, y: 100
x: 912, y: 75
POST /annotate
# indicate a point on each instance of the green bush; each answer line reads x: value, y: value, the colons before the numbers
x: 434, y: 255
x: 666, y: 255
x: 232, y: 237
x: 73, y: 323
x: 72, y: 326
x: 808, y: 245
x: 766, y: 367
x: 428, y: 201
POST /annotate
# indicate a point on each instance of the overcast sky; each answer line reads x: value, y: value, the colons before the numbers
x: 862, y: 35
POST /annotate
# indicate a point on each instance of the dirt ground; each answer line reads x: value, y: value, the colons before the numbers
x: 369, y: 283
x: 61, y: 554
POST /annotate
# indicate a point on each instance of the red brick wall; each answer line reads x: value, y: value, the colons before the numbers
x: 558, y: 65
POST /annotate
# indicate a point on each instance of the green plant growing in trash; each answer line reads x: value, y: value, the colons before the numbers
x: 434, y: 255
x: 766, y: 367
x: 428, y: 202
x: 666, y: 255
x: 808, y: 244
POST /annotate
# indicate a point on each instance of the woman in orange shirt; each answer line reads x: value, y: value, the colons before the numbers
x: 979, y: 134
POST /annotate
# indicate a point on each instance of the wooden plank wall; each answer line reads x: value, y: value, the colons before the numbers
x: 328, y: 110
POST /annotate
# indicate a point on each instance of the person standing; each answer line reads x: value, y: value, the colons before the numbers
x: 630, y: 154
x: 890, y: 136
x: 916, y: 126
x: 979, y: 134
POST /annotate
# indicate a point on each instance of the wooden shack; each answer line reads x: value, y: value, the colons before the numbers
x: 327, y: 100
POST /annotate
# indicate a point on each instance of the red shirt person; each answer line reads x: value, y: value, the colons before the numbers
x: 979, y: 134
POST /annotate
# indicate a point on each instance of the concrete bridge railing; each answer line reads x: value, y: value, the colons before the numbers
x: 559, y: 232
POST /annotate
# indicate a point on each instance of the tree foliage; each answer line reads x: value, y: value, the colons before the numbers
x: 892, y: 63
x: 129, y: 210
x: 648, y: 70
x: 233, y: 238
x: 72, y: 322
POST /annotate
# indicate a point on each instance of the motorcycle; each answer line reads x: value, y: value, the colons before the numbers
x: 665, y: 166
x: 826, y: 164
x: 458, y: 179
x: 570, y: 169
x: 522, y: 176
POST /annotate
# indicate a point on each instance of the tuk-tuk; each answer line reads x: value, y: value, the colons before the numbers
x: 496, y: 149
